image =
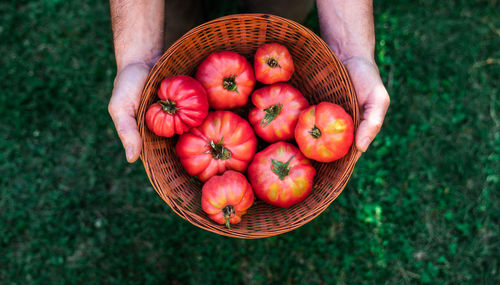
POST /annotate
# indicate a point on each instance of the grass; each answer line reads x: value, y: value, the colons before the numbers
x: 422, y: 206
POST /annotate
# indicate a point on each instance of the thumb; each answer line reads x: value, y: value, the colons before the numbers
x: 123, y: 107
x: 126, y: 127
x: 373, y: 117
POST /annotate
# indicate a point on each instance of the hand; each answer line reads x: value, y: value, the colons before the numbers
x: 123, y: 105
x: 372, y: 97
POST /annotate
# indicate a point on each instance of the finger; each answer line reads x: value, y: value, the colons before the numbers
x: 123, y: 106
x: 126, y: 126
x: 373, y: 117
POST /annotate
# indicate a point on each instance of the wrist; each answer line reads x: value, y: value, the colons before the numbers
x: 355, y: 60
x: 145, y: 60
x: 349, y: 51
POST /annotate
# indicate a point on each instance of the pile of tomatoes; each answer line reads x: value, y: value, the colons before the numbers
x: 218, y: 146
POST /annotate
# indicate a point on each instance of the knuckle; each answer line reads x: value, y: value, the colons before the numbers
x: 376, y: 124
x: 383, y: 97
x: 112, y: 109
x: 387, y: 100
x: 380, y: 94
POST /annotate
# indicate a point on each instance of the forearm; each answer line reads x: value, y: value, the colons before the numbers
x: 347, y: 27
x: 137, y: 31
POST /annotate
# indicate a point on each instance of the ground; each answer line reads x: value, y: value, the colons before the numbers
x: 421, y: 207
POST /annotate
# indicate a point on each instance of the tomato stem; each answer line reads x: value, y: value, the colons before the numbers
x: 279, y: 168
x: 229, y: 83
x: 271, y: 114
x: 272, y: 62
x: 218, y: 150
x: 168, y: 106
x: 315, y: 132
x: 228, y: 211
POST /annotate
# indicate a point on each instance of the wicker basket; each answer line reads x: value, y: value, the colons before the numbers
x: 319, y: 75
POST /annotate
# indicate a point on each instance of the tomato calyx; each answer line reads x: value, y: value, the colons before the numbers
x: 229, y: 83
x: 227, y: 212
x: 281, y: 168
x: 315, y: 132
x: 271, y: 113
x: 218, y: 150
x: 168, y: 106
x: 272, y: 62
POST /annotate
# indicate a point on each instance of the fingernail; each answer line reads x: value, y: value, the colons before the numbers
x: 128, y: 152
x: 364, y: 144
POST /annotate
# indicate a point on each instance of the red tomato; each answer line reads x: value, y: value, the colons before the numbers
x: 273, y: 63
x: 224, y: 141
x: 281, y: 175
x: 227, y: 197
x: 277, y: 110
x: 228, y: 78
x: 324, y: 132
x: 183, y: 104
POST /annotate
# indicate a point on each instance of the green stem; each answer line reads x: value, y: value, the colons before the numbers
x: 168, y: 106
x: 229, y: 83
x: 219, y: 151
x: 279, y: 168
x: 315, y: 132
x: 228, y: 211
x: 271, y: 114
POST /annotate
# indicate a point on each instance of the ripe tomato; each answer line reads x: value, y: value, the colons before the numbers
x: 183, y: 104
x: 281, y: 175
x: 324, y: 132
x: 273, y: 63
x: 277, y: 110
x: 227, y: 197
x: 224, y: 141
x: 228, y: 78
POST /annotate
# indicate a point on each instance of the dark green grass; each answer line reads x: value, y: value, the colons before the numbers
x: 422, y: 206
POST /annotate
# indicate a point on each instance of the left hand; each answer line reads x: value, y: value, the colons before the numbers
x: 123, y: 106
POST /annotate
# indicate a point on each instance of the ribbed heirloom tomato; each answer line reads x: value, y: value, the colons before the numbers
x: 183, y: 104
x: 281, y: 175
x: 273, y: 63
x: 227, y: 197
x: 324, y: 132
x: 223, y: 141
x: 228, y: 78
x: 277, y: 110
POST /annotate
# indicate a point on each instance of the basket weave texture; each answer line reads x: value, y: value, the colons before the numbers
x: 319, y: 75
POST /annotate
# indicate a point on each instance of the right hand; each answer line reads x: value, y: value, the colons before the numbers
x: 373, y: 98
x: 123, y: 105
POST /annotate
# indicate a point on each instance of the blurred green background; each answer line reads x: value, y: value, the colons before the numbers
x: 423, y: 205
